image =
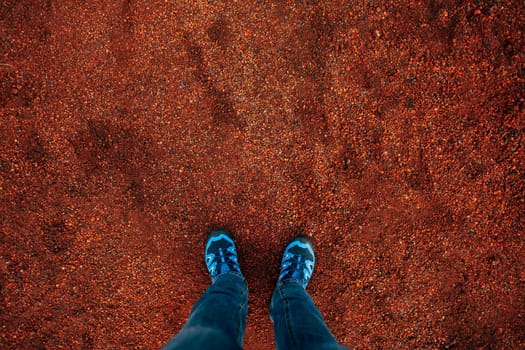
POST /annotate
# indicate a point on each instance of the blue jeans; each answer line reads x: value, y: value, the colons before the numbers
x: 218, y: 319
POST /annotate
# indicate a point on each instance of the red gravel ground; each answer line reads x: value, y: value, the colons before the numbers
x: 391, y: 132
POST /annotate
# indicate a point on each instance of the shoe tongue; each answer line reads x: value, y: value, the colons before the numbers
x: 225, y: 268
x: 297, y: 275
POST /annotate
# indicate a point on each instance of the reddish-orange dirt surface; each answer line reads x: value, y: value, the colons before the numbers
x: 390, y: 132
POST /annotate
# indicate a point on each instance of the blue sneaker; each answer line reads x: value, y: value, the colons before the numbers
x: 298, y: 261
x: 221, y: 254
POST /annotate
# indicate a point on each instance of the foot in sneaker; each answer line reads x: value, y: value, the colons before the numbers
x: 221, y: 254
x: 298, y: 261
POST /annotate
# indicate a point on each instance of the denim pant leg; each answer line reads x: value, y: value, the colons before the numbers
x: 218, y: 319
x: 298, y: 324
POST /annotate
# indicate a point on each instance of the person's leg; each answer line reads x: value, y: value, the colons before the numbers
x: 218, y: 319
x: 298, y: 324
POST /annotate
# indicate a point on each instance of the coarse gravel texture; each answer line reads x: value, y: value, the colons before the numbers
x: 392, y: 133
